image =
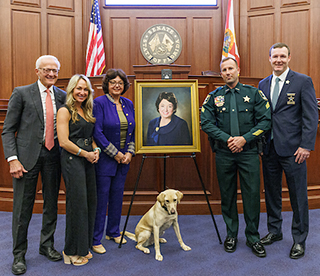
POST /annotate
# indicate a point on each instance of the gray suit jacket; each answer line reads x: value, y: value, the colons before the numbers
x: 23, y: 127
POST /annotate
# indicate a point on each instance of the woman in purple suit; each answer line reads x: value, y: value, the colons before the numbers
x: 114, y: 134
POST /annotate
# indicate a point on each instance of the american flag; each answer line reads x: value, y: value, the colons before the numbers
x: 95, y: 57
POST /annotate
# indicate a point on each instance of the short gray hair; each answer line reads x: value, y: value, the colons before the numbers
x: 38, y: 62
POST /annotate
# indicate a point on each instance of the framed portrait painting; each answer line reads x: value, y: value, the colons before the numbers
x: 167, y: 116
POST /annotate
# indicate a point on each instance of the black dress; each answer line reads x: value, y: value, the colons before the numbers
x: 81, y: 198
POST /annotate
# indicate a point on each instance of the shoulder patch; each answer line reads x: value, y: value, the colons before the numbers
x: 262, y: 95
x: 206, y: 99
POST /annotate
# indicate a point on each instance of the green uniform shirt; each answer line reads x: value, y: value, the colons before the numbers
x: 253, y: 108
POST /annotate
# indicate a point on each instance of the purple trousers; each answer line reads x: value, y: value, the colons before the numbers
x: 109, y: 197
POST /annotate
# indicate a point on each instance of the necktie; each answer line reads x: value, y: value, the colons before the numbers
x: 275, y: 95
x: 49, y: 142
x: 234, y: 122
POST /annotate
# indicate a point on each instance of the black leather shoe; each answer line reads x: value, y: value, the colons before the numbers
x: 52, y: 254
x: 257, y: 249
x: 297, y: 251
x: 19, y: 266
x: 271, y: 238
x: 230, y: 244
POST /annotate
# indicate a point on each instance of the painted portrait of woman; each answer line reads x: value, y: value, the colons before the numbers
x: 168, y: 129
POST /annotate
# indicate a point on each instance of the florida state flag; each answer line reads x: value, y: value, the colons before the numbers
x: 230, y: 48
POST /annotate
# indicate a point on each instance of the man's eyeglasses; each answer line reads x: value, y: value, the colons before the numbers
x: 114, y: 83
x: 47, y: 71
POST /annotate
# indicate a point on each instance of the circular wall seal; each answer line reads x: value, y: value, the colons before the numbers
x: 161, y: 44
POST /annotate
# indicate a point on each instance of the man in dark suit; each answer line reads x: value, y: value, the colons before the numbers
x: 31, y: 147
x: 292, y: 137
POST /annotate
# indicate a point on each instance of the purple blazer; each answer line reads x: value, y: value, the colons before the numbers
x: 107, y: 133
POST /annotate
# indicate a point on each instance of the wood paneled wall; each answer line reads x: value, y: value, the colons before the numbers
x: 30, y: 28
x: 265, y: 22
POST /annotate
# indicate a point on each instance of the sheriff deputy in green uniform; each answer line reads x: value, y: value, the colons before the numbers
x: 235, y: 116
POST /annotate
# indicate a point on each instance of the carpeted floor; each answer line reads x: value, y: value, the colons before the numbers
x: 207, y: 257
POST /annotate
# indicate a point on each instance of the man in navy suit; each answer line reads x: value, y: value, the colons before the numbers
x: 292, y: 137
x: 28, y: 154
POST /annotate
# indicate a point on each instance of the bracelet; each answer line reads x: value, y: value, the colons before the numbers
x: 78, y: 152
x: 97, y: 148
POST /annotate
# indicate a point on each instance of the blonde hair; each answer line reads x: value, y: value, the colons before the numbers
x: 87, y: 105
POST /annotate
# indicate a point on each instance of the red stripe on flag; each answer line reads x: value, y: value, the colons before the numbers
x: 95, y: 55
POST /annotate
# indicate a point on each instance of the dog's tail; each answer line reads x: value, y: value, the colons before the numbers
x: 131, y: 236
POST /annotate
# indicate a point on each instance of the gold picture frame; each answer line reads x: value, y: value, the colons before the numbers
x: 172, y: 138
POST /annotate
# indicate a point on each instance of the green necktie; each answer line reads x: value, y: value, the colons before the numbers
x: 234, y: 122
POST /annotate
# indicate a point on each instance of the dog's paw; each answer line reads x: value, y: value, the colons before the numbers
x: 146, y: 251
x: 185, y: 247
x: 143, y: 249
x: 159, y: 257
x: 162, y: 240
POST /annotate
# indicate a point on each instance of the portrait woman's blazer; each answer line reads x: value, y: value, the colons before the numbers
x: 175, y: 133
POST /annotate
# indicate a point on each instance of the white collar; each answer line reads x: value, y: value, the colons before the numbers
x: 282, y: 77
x: 42, y: 88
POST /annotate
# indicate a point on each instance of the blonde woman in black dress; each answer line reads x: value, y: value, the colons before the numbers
x: 75, y: 124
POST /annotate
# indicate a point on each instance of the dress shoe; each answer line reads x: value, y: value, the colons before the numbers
x: 98, y: 249
x: 271, y: 238
x: 116, y: 239
x: 297, y: 251
x: 257, y: 249
x: 230, y: 244
x: 52, y: 254
x: 19, y: 266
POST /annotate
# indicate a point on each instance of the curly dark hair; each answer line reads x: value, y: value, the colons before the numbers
x: 112, y: 74
x: 170, y: 97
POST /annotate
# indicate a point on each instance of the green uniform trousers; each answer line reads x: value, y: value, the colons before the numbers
x: 247, y: 163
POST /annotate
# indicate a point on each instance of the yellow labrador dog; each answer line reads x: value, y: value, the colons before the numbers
x: 160, y: 217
